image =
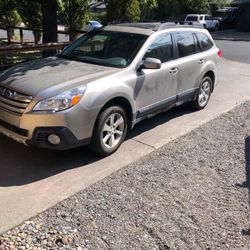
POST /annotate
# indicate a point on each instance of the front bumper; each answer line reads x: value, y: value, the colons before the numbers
x: 68, y: 140
x: 12, y: 132
x: 74, y: 127
x: 40, y: 137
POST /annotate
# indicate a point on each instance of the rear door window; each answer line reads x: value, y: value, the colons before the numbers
x: 185, y: 44
x: 204, y: 41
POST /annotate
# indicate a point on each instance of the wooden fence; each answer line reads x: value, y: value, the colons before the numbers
x: 36, y: 32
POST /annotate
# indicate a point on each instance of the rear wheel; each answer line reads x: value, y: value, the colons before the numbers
x: 204, y: 94
x: 110, y: 131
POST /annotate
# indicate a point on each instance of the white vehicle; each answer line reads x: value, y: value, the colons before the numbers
x: 206, y: 20
x: 92, y: 25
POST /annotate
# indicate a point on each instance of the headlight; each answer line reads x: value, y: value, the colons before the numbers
x: 62, y: 101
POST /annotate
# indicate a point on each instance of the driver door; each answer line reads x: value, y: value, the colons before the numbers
x: 156, y: 89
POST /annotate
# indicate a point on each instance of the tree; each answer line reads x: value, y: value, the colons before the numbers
x: 132, y: 11
x: 126, y: 10
x: 214, y: 5
x: 9, y: 15
x: 176, y: 9
x: 75, y: 14
x: 147, y: 7
x: 49, y: 20
x: 31, y: 14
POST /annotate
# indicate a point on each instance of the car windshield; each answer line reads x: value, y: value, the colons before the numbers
x: 114, y: 49
x: 192, y: 18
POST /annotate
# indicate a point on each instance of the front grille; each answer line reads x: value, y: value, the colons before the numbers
x: 13, y: 128
x: 13, y: 102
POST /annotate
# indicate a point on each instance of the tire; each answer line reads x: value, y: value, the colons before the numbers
x: 109, y: 131
x: 203, y: 95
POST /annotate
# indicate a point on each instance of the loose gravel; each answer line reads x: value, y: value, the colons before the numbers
x: 192, y: 193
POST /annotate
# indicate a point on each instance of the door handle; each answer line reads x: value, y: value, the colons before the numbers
x: 173, y: 71
x: 201, y: 61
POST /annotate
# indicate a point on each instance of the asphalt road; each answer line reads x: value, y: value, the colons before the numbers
x: 32, y: 180
x: 235, y: 50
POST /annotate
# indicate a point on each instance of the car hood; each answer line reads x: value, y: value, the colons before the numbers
x: 51, y: 75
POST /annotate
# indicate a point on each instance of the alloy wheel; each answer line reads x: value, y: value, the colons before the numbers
x: 113, y: 130
x: 204, y: 94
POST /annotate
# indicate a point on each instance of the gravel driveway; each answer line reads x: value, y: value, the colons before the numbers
x: 192, y: 193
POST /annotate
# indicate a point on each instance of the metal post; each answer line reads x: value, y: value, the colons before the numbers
x: 21, y: 35
x: 8, y: 34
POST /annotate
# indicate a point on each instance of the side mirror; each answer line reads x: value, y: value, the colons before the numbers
x: 151, y: 63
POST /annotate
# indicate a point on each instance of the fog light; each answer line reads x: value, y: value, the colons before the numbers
x: 54, y: 139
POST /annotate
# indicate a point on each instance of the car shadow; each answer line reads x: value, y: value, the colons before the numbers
x: 160, y: 119
x: 20, y: 165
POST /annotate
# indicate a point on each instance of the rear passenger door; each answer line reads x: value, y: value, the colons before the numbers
x: 189, y: 64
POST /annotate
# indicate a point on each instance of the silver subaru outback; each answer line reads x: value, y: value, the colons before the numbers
x: 105, y: 82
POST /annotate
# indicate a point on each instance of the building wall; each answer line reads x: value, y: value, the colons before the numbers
x: 243, y: 22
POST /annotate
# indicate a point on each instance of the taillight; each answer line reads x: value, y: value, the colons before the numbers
x: 219, y: 53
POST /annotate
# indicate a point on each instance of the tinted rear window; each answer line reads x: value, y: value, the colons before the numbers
x: 185, y: 43
x: 192, y: 18
x: 204, y: 41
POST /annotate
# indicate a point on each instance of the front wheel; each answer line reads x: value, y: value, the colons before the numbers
x: 110, y: 131
x: 204, y: 94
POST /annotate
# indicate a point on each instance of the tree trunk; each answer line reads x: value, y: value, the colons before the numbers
x: 10, y: 34
x: 49, y: 13
x: 37, y: 36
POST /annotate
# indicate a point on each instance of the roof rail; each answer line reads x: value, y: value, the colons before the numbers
x: 168, y: 25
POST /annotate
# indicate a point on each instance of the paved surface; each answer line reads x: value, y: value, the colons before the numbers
x: 33, y: 180
x: 193, y: 193
x: 231, y: 35
x: 235, y: 51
